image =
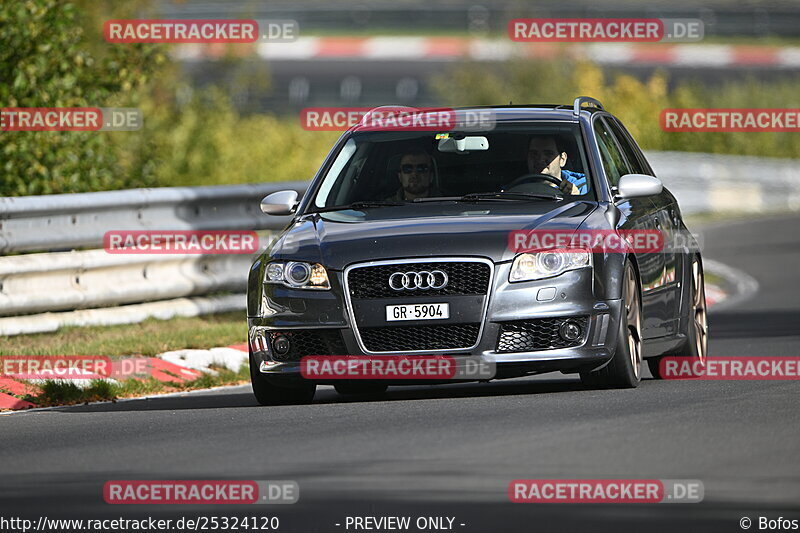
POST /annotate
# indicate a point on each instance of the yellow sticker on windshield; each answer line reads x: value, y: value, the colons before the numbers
x: 442, y: 136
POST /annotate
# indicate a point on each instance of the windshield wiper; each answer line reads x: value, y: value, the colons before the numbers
x: 508, y: 196
x: 356, y: 205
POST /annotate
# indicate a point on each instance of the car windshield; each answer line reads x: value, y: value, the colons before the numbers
x: 512, y: 162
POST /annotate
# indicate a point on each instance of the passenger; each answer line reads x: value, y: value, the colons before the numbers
x: 547, y: 156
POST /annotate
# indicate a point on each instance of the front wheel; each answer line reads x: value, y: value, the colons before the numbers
x: 625, y: 368
x: 272, y: 392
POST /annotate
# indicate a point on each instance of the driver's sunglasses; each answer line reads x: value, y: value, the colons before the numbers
x: 408, y: 169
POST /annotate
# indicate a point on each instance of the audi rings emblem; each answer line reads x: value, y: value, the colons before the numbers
x: 412, y: 281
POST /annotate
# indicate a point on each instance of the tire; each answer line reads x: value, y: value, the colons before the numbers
x: 696, y: 345
x: 624, y: 371
x: 268, y: 392
x: 360, y: 388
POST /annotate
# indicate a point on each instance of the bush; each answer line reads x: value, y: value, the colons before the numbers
x: 206, y: 142
x: 637, y: 103
x: 55, y: 56
x: 45, y: 65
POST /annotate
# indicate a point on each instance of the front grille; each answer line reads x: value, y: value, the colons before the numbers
x: 464, y: 277
x: 304, y: 342
x: 536, y: 334
x: 412, y: 338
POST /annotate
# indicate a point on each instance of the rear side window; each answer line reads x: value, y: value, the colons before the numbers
x: 632, y: 154
x: 613, y: 162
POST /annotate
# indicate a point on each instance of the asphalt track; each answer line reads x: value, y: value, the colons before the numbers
x: 452, y: 450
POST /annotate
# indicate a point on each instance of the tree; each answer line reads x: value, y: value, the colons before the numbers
x: 48, y: 60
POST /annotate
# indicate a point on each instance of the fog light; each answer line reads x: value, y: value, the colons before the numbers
x: 570, y: 330
x: 281, y: 345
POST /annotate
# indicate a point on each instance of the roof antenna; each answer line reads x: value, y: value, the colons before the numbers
x: 510, y: 102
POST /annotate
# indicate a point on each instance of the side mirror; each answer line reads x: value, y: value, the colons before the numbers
x: 279, y: 203
x: 638, y: 186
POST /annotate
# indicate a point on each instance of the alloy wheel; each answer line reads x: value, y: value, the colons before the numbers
x: 633, y: 313
x: 699, y: 314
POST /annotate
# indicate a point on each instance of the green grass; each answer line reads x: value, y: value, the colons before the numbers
x: 67, y: 393
x: 147, y: 338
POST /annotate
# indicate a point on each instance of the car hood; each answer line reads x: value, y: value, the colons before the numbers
x: 339, y: 238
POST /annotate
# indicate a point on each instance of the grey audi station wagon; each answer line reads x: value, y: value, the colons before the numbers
x: 401, y: 246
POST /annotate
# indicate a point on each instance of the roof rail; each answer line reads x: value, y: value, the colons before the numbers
x: 576, y: 106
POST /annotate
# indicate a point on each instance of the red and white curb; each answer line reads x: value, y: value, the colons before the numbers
x: 178, y: 366
x: 12, y: 386
x: 455, y: 48
x: 205, y: 361
x: 714, y: 295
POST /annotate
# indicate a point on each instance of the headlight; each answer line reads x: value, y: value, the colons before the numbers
x: 541, y: 265
x: 298, y: 275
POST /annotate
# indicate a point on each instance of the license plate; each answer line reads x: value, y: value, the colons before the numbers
x: 417, y: 312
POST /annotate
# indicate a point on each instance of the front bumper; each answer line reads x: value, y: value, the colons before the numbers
x: 571, y: 294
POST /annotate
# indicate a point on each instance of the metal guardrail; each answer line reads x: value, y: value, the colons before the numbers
x: 64, y: 281
x: 69, y: 221
x: 705, y: 183
x: 64, y: 286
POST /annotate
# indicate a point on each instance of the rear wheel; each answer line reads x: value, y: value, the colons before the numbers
x: 272, y: 392
x: 696, y: 345
x: 625, y: 368
x: 360, y: 388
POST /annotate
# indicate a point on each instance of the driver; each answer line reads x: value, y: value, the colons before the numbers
x: 546, y: 155
x: 415, y: 176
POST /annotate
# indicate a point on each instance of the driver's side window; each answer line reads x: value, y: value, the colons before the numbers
x: 613, y: 162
